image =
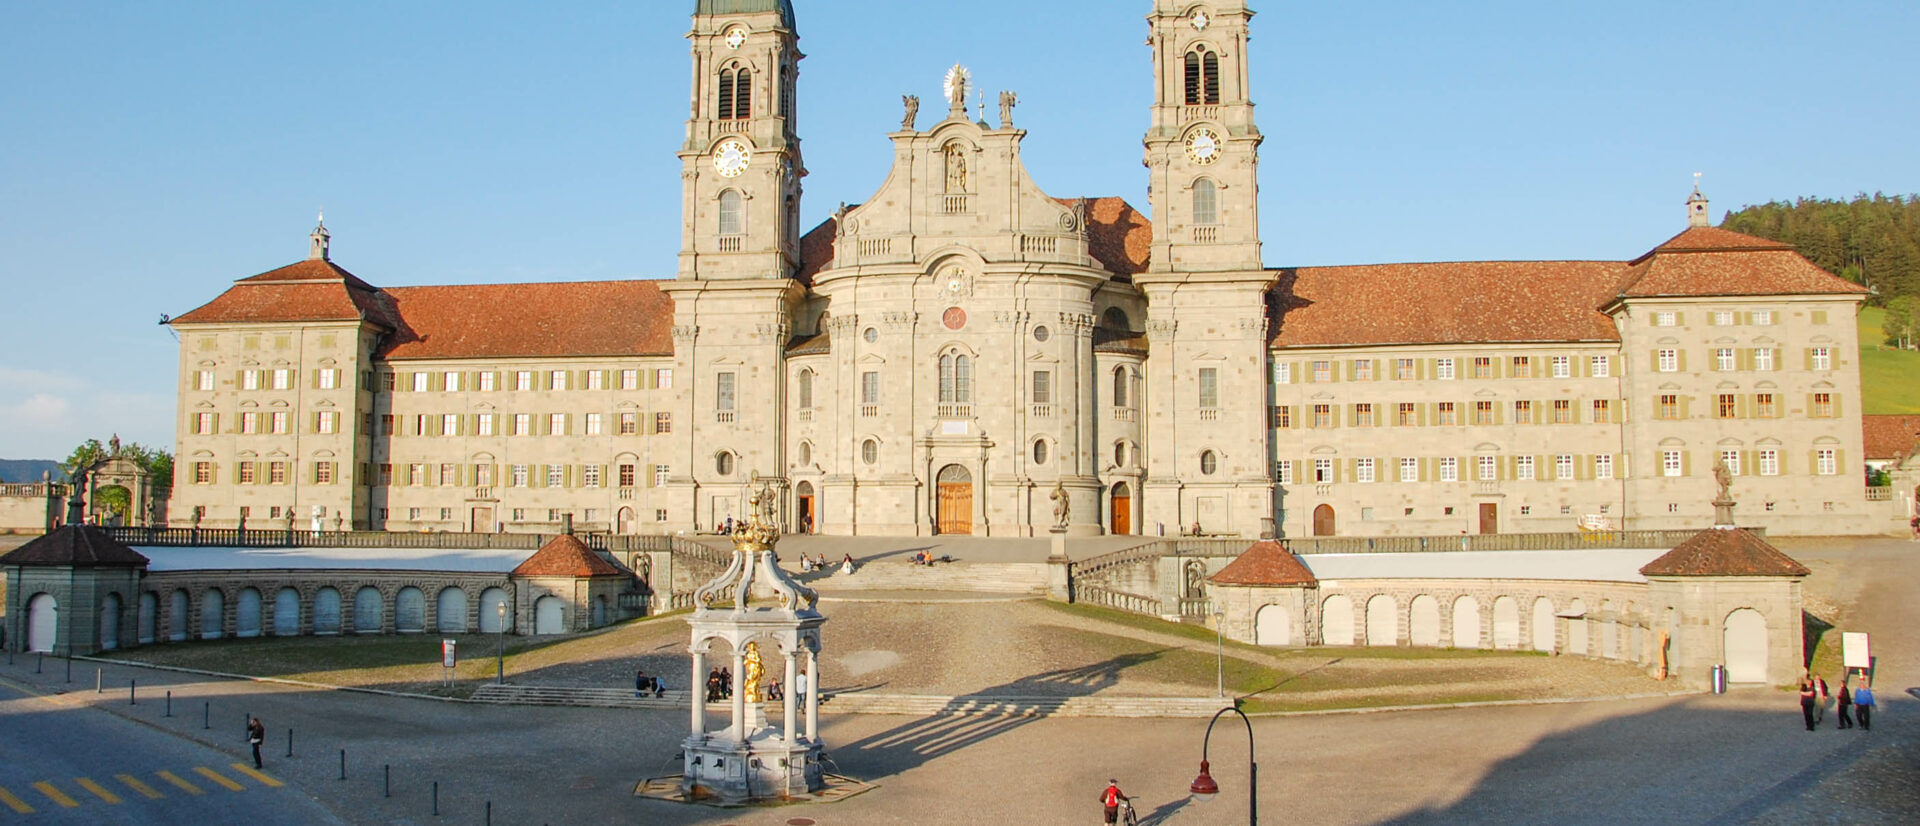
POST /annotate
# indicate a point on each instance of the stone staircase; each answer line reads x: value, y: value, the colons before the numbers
x: 893, y: 704
x: 1024, y: 578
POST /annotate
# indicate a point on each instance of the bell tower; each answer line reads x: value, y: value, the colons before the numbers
x: 741, y: 165
x: 1202, y: 150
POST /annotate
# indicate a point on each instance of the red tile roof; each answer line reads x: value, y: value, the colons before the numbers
x: 1483, y: 301
x: 1705, y: 239
x: 566, y: 555
x: 1890, y: 437
x: 581, y: 318
x: 1725, y: 552
x: 79, y: 546
x: 1265, y: 564
x: 312, y: 290
x: 1708, y: 261
x: 816, y: 250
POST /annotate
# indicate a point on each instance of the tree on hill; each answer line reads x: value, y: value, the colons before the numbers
x: 1871, y: 240
x: 1902, y: 322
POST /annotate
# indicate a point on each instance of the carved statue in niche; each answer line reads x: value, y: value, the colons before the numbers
x: 1062, y: 505
x: 956, y: 168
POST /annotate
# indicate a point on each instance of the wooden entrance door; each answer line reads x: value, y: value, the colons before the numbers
x: 1489, y: 517
x: 805, y: 515
x: 482, y: 520
x: 1323, y: 520
x: 955, y: 495
x: 1122, y: 509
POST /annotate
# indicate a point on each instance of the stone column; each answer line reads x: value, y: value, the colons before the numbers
x: 739, y: 727
x: 788, y: 720
x: 813, y: 697
x: 697, y: 701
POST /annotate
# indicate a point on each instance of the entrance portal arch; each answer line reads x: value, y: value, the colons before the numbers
x: 1323, y: 520
x: 1746, y: 641
x: 1122, y: 509
x: 954, y: 513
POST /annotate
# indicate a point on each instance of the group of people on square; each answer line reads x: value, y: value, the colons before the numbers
x: 1853, y: 703
x: 809, y: 564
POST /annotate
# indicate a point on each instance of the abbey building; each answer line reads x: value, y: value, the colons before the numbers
x: 944, y: 356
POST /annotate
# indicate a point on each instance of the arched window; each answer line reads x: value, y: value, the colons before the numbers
x: 1209, y: 462
x: 786, y: 92
x: 1203, y: 77
x: 723, y: 463
x: 869, y: 451
x: 956, y: 379
x: 1119, y: 454
x: 733, y: 215
x: 1116, y: 319
x: 736, y: 94
x: 1206, y: 202
x: 806, y: 453
x: 806, y: 390
x: 1120, y: 387
x: 1039, y: 451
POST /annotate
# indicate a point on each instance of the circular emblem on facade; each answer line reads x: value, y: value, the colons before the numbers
x: 871, y: 335
x: 1201, y: 20
x: 955, y: 318
x: 1203, y: 146
x: 1042, y: 334
x: 736, y: 36
x: 732, y: 158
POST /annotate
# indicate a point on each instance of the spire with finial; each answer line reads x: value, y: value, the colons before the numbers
x: 317, y: 251
x: 1697, y: 215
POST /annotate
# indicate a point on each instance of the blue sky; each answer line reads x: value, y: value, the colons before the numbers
x: 151, y: 153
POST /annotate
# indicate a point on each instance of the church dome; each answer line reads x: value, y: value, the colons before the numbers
x: 784, y: 7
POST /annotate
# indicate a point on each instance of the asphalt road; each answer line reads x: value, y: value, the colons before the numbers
x: 62, y: 763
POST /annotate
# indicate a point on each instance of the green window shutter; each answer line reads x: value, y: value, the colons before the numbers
x: 1840, y: 462
x: 1837, y: 412
x: 1420, y: 370
x: 1683, y: 360
x: 1420, y: 411
x: 1813, y: 463
x: 1686, y: 463
x: 1680, y: 319
x: 1808, y: 356
x: 1653, y: 361
x: 1582, y: 467
x: 1686, y: 407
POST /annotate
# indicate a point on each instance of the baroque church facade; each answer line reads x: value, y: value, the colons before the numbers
x: 951, y: 354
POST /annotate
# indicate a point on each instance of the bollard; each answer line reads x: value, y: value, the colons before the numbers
x: 99, y: 678
x: 436, y: 798
x: 169, y: 705
x: 131, y: 686
x: 39, y: 659
x: 206, y: 716
x: 489, y: 813
x: 289, y: 742
x: 386, y: 785
x: 343, y: 764
x: 69, y: 668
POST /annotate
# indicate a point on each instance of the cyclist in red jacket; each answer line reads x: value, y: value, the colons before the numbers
x: 1111, y: 800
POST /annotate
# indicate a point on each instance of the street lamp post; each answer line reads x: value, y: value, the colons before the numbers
x: 500, y: 676
x: 1220, y: 654
x: 1204, y: 789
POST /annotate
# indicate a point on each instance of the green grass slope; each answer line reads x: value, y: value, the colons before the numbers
x: 1890, y: 379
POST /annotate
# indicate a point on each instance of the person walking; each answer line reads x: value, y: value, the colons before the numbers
x: 256, y: 734
x: 1845, y: 718
x: 1110, y: 799
x: 1863, y: 705
x: 1820, y: 709
x: 1809, y: 696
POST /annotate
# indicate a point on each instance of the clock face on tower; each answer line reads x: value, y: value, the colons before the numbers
x: 1201, y: 20
x: 731, y: 159
x: 736, y: 37
x: 1203, y: 146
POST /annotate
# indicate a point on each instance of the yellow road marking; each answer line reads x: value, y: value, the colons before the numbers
x: 88, y: 784
x: 138, y: 786
x: 257, y: 775
x: 216, y: 777
x: 189, y: 788
x: 15, y: 803
x: 54, y: 794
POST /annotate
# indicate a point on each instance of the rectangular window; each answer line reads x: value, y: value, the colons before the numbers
x: 1363, y: 470
x: 205, y: 424
x: 557, y: 424
x: 870, y: 387
x: 1823, y: 405
x: 1449, y: 469
x: 1523, y: 412
x: 590, y: 476
x: 276, y: 473
x: 327, y: 379
x: 387, y: 382
x: 1663, y: 319
x: 1602, y: 411
x: 204, y: 380
x: 557, y: 380
x: 1722, y: 318
x: 1723, y: 360
x: 1603, y: 466
x: 661, y: 473
x: 1443, y: 369
x: 244, y: 473
x: 1764, y: 406
x: 485, y: 423
x: 420, y: 382
x: 1764, y: 318
x: 1769, y: 462
x: 593, y: 424
x: 1363, y: 370
x: 386, y: 474
x: 1669, y: 407
x: 279, y: 421
x: 1446, y: 414
x: 629, y: 424
x: 1671, y: 463
x: 1403, y: 369
x: 323, y: 473
x: 1730, y: 457
x: 489, y: 382
x: 523, y: 380
x: 517, y: 475
x: 1726, y: 406
x: 1562, y: 411
x: 1523, y: 467
x: 1601, y: 366
x: 629, y: 380
x: 1562, y: 367
x: 626, y: 475
x: 1407, y: 415
x: 421, y: 424
x: 249, y: 423
x: 1763, y: 360
x: 1323, y: 371
x: 1323, y: 471
x: 1563, y: 467
x: 522, y: 424
x: 1409, y: 470
x: 1669, y: 361
x: 1283, y: 416
x: 1827, y: 462
x: 1363, y: 416
x: 449, y: 475
x: 663, y: 422
x: 1489, y: 468
x: 326, y: 422
x: 1483, y: 413
x: 483, y: 475
x: 1822, y: 358
x: 1483, y: 368
x: 723, y: 399
x: 249, y: 380
x: 413, y: 513
x: 449, y: 424
x: 1283, y: 373
x: 1283, y: 470
x: 596, y: 380
x: 450, y: 382
x: 663, y: 378
x: 1323, y: 415
x: 1522, y: 367
x: 1209, y: 387
x: 283, y: 379
x: 416, y: 475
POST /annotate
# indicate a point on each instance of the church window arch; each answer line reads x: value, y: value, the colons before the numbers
x: 1120, y: 387
x: 806, y: 389
x: 1206, y: 202
x: 1040, y: 451
x: 736, y: 92
x: 1202, y: 76
x: 956, y: 378
x: 723, y: 463
x: 1209, y: 462
x: 733, y: 213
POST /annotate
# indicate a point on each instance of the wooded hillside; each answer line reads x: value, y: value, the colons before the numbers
x: 1872, y: 240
